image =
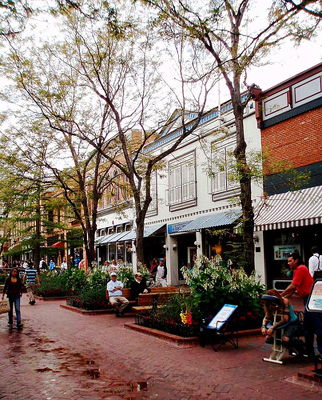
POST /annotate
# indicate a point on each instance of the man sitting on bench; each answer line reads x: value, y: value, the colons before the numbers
x: 114, y: 288
x: 138, y: 286
x: 274, y: 302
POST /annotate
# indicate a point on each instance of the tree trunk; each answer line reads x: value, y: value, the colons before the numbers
x: 245, y: 184
x: 139, y: 238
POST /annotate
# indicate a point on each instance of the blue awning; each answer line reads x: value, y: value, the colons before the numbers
x: 218, y: 219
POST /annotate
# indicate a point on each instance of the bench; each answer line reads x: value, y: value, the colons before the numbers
x: 125, y: 293
x: 157, y: 297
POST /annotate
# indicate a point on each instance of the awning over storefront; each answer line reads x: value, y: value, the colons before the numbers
x: 60, y: 245
x: 118, y: 237
x: 214, y: 220
x: 128, y: 235
x: 291, y: 209
x: 99, y: 240
x: 148, y: 231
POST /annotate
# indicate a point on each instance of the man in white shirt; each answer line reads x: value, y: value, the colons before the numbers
x: 315, y: 262
x: 114, y: 289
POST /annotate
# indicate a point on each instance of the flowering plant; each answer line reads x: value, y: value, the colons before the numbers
x: 213, y: 285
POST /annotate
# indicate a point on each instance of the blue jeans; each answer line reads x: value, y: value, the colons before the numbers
x: 14, y: 300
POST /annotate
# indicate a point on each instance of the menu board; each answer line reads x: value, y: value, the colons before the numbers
x: 283, y: 251
x: 314, y: 302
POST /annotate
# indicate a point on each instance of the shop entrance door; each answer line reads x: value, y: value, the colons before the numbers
x: 191, y: 256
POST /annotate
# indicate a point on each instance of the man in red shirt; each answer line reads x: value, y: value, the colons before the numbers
x: 302, y: 283
x: 302, y: 280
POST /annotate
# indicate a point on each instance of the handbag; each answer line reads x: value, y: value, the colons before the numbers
x: 4, y: 306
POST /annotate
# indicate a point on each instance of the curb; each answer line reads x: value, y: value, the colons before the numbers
x: 177, y: 340
x: 50, y: 298
x: 85, y: 312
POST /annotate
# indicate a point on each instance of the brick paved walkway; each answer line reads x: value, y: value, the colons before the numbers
x: 63, y: 355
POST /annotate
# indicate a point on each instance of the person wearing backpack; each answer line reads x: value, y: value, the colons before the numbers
x: 315, y: 263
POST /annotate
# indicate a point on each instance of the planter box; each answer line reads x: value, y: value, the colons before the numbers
x: 41, y: 298
x: 177, y: 340
x: 86, y: 312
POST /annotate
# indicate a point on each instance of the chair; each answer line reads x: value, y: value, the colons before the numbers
x: 221, y: 329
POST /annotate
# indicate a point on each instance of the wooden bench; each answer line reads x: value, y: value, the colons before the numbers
x: 125, y: 293
x: 157, y: 297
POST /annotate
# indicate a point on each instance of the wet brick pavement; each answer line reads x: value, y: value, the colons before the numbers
x: 64, y: 355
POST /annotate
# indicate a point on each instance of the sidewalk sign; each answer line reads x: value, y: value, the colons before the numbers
x: 222, y: 316
x: 314, y: 301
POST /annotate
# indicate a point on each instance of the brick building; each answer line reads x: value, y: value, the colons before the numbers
x: 290, y: 215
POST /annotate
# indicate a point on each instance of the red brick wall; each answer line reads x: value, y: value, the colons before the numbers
x: 297, y: 140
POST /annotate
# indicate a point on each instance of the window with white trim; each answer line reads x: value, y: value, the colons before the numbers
x: 223, y: 162
x: 182, y: 180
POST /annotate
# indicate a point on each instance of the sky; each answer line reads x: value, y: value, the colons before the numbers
x: 287, y: 62
x: 284, y: 62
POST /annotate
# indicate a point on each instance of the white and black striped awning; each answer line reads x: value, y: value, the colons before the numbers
x: 289, y: 210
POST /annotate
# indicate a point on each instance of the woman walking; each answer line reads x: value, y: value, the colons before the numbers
x: 13, y: 290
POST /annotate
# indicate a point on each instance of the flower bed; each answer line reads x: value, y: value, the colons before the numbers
x: 174, y: 327
x: 212, y: 285
x: 78, y: 302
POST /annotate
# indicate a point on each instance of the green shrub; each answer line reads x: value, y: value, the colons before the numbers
x: 126, y: 276
x: 52, y: 285
x: 3, y: 278
x: 214, y: 285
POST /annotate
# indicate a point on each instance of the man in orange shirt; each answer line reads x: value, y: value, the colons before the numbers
x: 302, y: 283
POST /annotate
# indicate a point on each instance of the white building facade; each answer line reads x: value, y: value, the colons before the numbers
x: 193, y: 195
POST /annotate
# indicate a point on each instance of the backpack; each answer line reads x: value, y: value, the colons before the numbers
x: 318, y: 273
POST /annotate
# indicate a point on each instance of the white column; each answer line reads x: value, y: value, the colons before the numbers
x: 172, y: 260
x: 199, y: 241
x: 260, y: 267
x: 134, y: 258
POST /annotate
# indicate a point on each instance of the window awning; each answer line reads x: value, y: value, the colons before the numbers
x: 291, y: 209
x: 222, y: 218
x: 99, y: 239
x: 149, y: 230
x: 128, y: 235
x: 117, y: 237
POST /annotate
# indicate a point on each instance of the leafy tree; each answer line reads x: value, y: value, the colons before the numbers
x: 101, y: 82
x: 13, y: 16
x: 234, y: 39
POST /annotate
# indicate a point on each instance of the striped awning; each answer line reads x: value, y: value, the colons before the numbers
x: 289, y: 210
x: 222, y: 218
x: 128, y: 235
x: 149, y: 230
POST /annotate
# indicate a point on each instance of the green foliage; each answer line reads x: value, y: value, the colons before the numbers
x: 53, y: 285
x: 126, y: 276
x: 213, y: 285
x: 76, y: 279
x: 93, y: 298
x: 3, y: 278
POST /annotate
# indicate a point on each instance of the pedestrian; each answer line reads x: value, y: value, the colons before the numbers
x: 315, y: 262
x: 114, y: 288
x: 64, y: 265
x: 52, y: 265
x: 161, y: 273
x: 30, y: 278
x: 302, y: 283
x: 138, y: 286
x: 154, y: 265
x: 106, y: 266
x: 113, y: 267
x: 42, y: 264
x: 13, y: 290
